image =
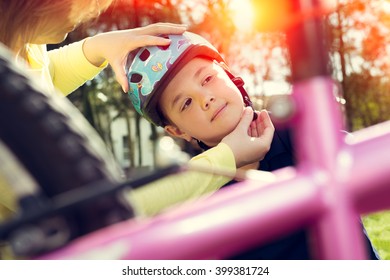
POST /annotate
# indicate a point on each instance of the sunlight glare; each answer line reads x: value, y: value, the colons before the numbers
x: 386, y: 6
x: 243, y: 15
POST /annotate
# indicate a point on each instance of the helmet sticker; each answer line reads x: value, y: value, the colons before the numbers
x: 157, y: 67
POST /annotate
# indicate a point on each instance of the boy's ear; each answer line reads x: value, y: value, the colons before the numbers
x: 176, y: 132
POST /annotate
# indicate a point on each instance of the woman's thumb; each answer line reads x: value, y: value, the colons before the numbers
x: 120, y: 76
x: 246, y: 118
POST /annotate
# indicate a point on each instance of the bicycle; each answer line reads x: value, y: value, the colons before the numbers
x: 329, y: 179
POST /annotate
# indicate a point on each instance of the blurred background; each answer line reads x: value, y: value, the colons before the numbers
x: 247, y: 33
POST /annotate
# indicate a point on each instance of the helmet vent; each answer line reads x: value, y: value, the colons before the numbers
x: 166, y: 46
x: 135, y: 78
x: 163, y: 47
x: 144, y: 55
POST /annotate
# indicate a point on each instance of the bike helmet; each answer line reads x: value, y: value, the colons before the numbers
x: 149, y: 70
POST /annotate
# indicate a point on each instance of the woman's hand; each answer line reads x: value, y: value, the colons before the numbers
x: 114, y: 46
x: 251, y: 140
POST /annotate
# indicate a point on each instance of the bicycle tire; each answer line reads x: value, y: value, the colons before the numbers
x: 56, y: 145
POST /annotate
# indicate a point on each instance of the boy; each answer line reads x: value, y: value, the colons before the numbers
x: 188, y: 89
x: 158, y: 79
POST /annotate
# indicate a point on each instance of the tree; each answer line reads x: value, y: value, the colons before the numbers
x: 361, y: 60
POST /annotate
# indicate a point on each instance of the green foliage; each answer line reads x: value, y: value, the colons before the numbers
x: 360, y: 60
x: 367, y: 100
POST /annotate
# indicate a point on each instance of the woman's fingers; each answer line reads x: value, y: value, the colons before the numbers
x: 163, y: 28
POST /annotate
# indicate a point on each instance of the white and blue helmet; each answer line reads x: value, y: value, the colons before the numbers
x: 149, y: 70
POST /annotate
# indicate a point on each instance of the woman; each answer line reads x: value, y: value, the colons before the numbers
x: 26, y: 26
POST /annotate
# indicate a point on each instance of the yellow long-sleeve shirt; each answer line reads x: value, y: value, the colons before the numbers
x: 151, y: 199
x: 65, y: 68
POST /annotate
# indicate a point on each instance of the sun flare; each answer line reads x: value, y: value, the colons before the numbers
x: 243, y: 15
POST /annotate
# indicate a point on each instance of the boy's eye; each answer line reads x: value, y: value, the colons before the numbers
x: 206, y: 80
x: 187, y: 103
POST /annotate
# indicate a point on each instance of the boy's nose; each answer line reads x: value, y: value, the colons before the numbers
x: 207, y: 101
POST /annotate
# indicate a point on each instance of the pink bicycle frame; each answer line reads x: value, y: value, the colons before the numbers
x: 336, y: 179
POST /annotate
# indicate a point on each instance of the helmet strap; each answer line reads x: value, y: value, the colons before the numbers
x: 239, y: 82
x: 202, y: 145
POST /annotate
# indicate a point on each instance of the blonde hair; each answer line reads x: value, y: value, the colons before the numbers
x: 22, y: 21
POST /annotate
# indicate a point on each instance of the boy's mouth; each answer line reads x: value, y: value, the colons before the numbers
x: 218, y: 111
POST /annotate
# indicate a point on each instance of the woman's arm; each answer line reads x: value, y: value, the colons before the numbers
x: 248, y: 143
x: 69, y: 68
x: 155, y: 197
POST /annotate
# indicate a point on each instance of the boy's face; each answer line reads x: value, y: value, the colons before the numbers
x: 201, y: 102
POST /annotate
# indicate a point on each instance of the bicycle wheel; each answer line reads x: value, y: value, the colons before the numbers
x: 52, y: 140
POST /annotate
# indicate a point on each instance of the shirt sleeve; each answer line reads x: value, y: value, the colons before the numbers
x: 169, y: 191
x: 69, y: 68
